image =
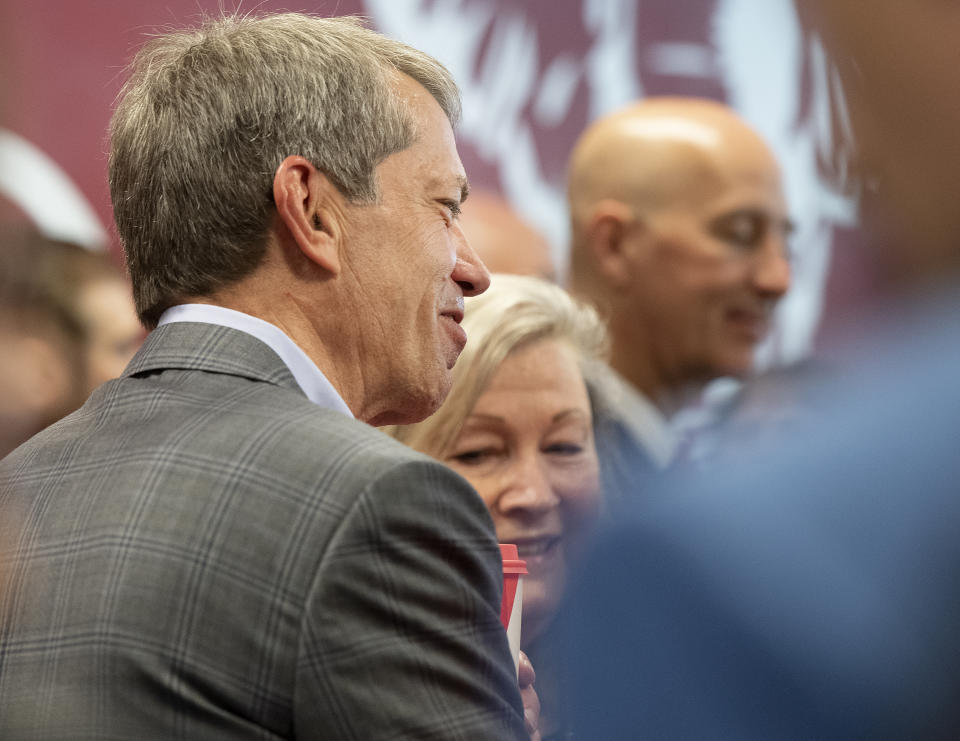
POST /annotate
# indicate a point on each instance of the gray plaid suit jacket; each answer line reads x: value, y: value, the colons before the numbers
x: 199, y: 552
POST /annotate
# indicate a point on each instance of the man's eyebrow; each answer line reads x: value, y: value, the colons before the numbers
x: 458, y: 181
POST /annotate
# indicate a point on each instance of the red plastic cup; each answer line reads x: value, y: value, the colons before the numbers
x: 511, y: 607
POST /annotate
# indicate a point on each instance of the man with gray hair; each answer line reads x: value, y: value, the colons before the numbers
x: 216, y: 545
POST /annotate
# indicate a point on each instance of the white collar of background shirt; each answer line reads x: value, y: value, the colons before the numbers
x: 636, y: 412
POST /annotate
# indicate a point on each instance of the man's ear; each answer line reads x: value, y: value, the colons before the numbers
x: 311, y: 207
x: 607, y: 232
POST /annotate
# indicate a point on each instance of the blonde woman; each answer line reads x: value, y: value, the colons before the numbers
x: 517, y: 425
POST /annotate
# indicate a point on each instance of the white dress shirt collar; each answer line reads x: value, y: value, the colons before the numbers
x: 305, y: 372
x: 636, y: 412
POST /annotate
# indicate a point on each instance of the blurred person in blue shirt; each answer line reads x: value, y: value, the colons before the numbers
x: 813, y: 592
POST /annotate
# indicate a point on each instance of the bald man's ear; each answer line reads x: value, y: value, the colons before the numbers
x: 311, y: 207
x: 608, y: 233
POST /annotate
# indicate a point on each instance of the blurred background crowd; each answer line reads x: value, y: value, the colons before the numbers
x: 533, y: 76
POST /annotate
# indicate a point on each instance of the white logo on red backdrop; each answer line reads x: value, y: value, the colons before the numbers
x: 533, y: 76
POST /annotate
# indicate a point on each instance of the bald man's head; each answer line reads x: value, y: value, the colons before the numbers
x: 660, y: 152
x: 678, y: 227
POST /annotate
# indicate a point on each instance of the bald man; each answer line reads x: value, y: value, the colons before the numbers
x: 679, y: 237
x: 503, y: 239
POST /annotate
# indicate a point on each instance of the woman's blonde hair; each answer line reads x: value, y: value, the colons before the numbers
x: 514, y: 312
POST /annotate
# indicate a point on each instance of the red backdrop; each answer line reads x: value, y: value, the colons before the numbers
x: 534, y: 73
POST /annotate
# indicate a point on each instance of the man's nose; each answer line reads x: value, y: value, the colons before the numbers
x: 771, y: 272
x: 469, y: 271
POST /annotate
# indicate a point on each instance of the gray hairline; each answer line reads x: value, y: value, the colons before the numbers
x: 388, y: 59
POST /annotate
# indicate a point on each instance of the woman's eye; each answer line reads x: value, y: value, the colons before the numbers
x: 474, y: 457
x: 564, y: 449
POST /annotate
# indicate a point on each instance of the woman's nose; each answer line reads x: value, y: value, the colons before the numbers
x: 528, y: 488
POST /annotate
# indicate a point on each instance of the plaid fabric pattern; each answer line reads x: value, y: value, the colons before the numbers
x: 199, y: 552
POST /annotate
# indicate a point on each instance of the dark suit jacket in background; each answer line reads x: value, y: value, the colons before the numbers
x: 627, y: 469
x: 200, y: 552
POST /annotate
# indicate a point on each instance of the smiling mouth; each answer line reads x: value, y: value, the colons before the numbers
x: 538, y: 547
x: 455, y: 314
x: 754, y: 323
x: 456, y: 333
